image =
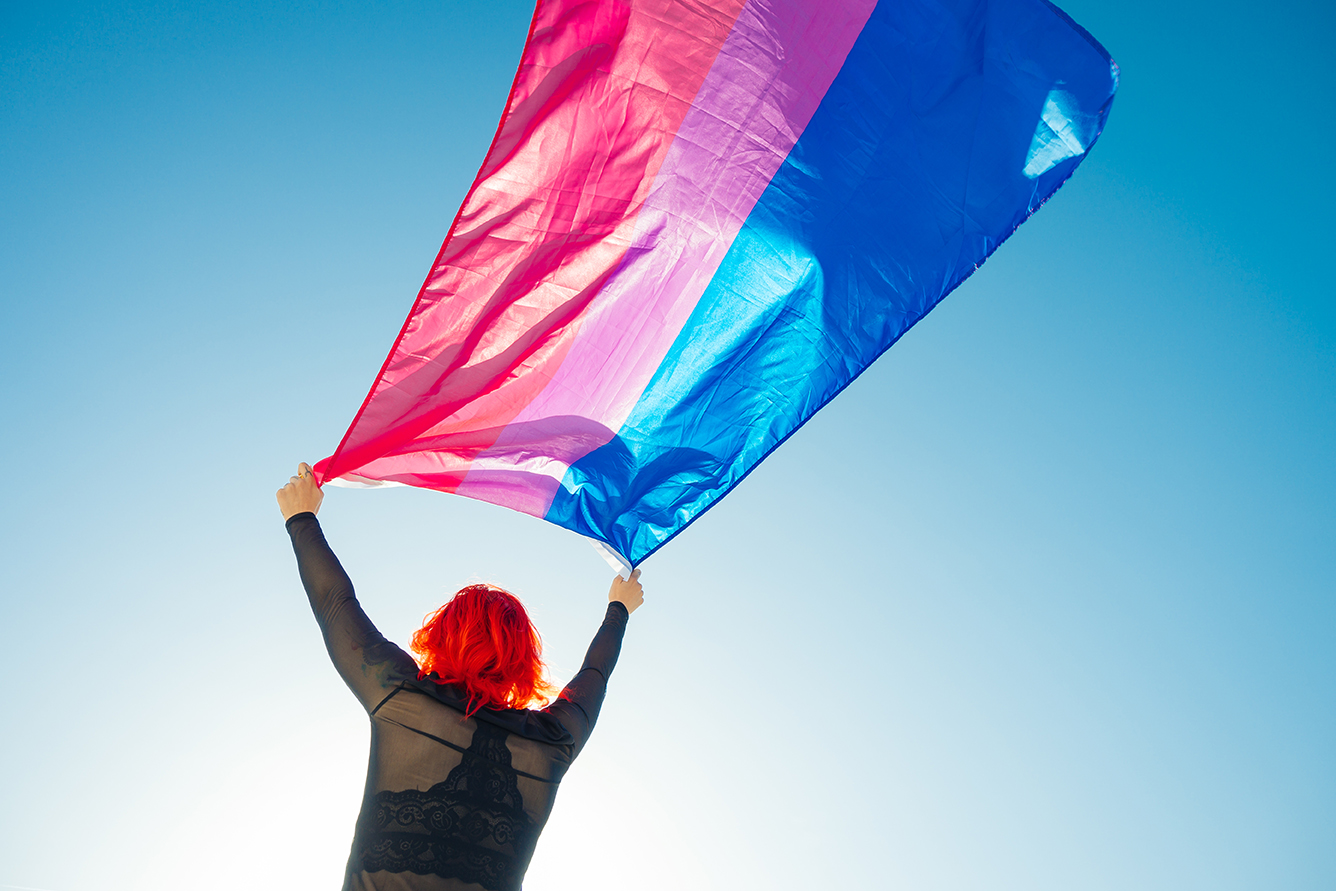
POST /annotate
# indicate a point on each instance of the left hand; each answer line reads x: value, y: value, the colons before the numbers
x: 627, y: 592
x: 301, y: 494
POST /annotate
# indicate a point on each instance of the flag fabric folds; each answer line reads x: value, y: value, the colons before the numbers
x: 697, y: 223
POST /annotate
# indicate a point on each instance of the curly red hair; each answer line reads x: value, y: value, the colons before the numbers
x: 483, y: 641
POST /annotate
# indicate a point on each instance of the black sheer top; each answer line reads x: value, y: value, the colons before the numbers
x: 450, y: 802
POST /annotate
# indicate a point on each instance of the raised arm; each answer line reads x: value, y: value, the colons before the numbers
x: 579, y: 703
x: 368, y: 663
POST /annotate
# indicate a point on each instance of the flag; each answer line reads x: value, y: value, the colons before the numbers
x: 697, y: 223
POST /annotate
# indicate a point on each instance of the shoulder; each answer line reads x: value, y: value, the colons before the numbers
x: 539, y: 725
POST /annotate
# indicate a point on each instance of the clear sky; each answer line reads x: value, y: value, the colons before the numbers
x: 1045, y: 600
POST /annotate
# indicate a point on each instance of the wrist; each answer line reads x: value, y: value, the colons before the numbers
x: 301, y: 514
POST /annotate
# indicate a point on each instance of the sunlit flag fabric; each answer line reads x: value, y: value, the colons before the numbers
x: 697, y: 223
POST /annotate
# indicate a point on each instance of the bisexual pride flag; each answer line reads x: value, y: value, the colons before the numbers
x: 698, y: 222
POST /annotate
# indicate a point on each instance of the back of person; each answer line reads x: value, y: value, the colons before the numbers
x: 459, y: 786
x: 449, y: 796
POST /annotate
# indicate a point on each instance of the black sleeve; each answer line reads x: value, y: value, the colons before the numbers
x: 578, y: 705
x: 370, y: 665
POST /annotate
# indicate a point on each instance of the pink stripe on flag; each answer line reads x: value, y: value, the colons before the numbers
x: 755, y: 102
x: 601, y: 90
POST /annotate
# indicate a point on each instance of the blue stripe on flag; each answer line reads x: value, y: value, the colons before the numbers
x: 940, y: 135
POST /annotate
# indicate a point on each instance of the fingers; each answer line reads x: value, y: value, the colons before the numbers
x: 304, y: 475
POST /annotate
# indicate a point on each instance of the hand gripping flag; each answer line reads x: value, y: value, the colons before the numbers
x: 698, y: 222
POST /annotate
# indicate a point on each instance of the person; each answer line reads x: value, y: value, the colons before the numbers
x: 462, y: 775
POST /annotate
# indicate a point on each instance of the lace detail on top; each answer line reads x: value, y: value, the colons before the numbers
x: 472, y: 826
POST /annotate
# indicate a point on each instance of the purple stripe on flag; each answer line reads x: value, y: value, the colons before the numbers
x: 752, y: 107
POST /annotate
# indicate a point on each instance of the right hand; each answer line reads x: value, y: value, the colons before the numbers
x: 627, y: 592
x: 301, y: 494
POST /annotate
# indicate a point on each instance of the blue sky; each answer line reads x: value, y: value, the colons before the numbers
x: 1044, y: 600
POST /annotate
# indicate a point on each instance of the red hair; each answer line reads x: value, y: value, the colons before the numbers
x: 483, y: 641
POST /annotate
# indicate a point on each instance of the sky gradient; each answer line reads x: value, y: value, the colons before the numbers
x: 1044, y: 600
